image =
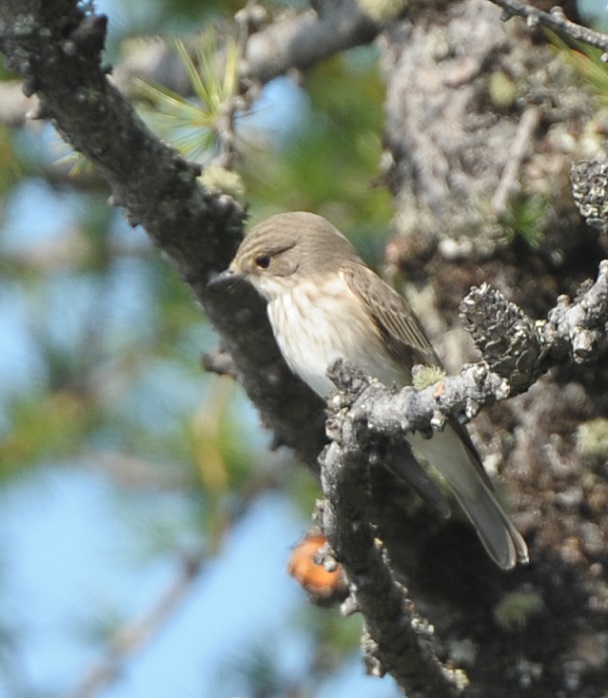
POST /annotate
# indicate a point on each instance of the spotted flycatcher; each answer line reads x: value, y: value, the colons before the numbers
x: 325, y: 303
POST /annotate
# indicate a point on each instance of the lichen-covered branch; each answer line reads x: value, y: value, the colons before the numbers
x: 398, y: 640
x: 516, y: 351
x: 520, y: 349
x: 382, y: 412
x: 578, y: 328
x: 590, y: 191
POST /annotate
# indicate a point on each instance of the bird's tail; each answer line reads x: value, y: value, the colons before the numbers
x: 454, y: 457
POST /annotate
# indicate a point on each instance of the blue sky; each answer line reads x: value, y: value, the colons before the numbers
x: 70, y: 564
x: 68, y: 557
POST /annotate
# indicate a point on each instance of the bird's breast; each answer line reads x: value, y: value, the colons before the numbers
x: 319, y: 321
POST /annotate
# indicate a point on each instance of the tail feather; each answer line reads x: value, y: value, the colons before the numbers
x: 401, y: 462
x: 460, y: 466
x: 499, y: 536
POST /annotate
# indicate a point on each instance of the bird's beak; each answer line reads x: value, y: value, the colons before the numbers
x: 224, y: 279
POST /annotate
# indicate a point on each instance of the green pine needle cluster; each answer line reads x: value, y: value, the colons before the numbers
x: 195, y: 124
x: 523, y: 219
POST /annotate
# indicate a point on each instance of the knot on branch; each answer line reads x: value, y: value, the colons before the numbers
x: 220, y: 361
x: 346, y: 407
x: 350, y: 382
x: 89, y: 36
x: 590, y: 191
x: 508, y: 339
x: 577, y: 328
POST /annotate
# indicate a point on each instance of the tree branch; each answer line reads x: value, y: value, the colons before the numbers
x: 296, y: 42
x: 299, y: 42
x: 56, y: 48
x: 516, y: 352
x: 554, y: 20
x: 399, y: 641
x: 520, y: 349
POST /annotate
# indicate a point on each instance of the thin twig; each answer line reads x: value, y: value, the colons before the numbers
x: 525, y: 129
x: 554, y: 20
x: 134, y: 636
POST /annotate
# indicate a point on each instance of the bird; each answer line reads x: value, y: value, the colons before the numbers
x: 325, y: 303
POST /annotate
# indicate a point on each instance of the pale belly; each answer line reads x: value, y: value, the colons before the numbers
x: 312, y: 335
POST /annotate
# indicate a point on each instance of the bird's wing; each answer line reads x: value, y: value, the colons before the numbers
x: 402, y: 333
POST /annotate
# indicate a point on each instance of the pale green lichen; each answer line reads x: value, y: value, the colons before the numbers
x: 592, y: 438
x: 226, y: 181
x: 503, y: 91
x: 424, y: 376
x: 513, y: 611
x: 382, y: 11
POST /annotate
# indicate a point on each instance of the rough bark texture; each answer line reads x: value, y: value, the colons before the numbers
x: 475, y: 110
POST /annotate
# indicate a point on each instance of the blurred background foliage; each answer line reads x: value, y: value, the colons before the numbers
x: 127, y: 473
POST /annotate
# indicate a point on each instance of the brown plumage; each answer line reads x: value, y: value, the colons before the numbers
x: 325, y: 303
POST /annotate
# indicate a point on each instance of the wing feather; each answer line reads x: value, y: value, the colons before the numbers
x: 403, y: 334
x: 392, y: 315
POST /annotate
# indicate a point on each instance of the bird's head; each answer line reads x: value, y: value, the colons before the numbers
x: 284, y: 250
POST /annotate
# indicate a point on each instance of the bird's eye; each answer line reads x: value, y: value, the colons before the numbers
x: 263, y: 261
